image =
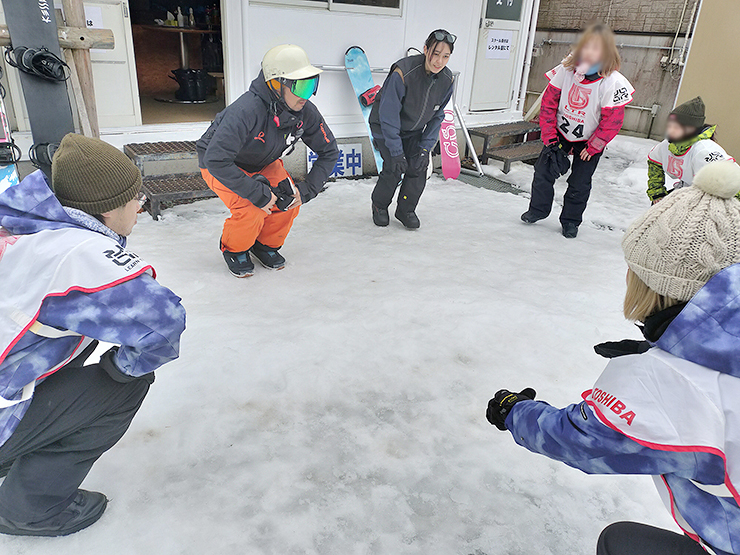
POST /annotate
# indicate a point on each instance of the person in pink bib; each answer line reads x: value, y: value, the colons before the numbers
x: 582, y: 111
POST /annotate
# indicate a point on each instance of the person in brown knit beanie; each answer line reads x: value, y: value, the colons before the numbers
x: 91, y: 175
x: 68, y: 282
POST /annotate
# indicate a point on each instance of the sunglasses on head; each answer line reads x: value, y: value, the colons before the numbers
x: 304, y: 88
x: 444, y: 36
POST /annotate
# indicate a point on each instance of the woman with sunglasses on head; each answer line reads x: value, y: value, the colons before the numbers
x: 240, y: 158
x: 405, y: 122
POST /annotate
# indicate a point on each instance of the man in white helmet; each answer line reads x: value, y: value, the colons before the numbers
x: 239, y: 156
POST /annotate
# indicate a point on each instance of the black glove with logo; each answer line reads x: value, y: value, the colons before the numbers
x: 557, y: 159
x: 420, y: 162
x: 500, y: 406
x: 284, y: 193
x: 399, y: 165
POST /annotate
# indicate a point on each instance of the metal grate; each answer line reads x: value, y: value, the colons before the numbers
x: 159, y: 149
x: 173, y: 189
x: 492, y: 183
x: 172, y: 184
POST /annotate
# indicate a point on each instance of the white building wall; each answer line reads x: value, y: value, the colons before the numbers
x: 326, y: 35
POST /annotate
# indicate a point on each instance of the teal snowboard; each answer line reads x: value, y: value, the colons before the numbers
x: 358, y: 69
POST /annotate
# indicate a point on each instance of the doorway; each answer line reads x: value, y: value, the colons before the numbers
x: 179, y: 59
x: 496, y: 56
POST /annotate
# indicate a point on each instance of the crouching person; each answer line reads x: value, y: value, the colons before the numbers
x: 69, y: 281
x: 239, y: 156
x: 667, y: 406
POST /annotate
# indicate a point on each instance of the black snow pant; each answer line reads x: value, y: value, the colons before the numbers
x: 631, y: 538
x: 75, y: 416
x: 579, y: 185
x: 413, y: 182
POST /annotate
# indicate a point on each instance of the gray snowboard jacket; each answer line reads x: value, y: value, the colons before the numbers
x: 253, y: 132
x: 411, y: 101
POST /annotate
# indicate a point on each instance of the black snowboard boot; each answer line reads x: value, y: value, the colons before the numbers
x: 380, y: 216
x: 239, y: 263
x: 530, y: 217
x: 269, y: 257
x: 570, y: 231
x: 86, y: 508
x: 408, y: 219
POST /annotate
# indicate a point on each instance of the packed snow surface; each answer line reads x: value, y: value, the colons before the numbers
x: 337, y: 406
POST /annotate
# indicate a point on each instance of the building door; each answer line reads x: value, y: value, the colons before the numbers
x: 497, y: 54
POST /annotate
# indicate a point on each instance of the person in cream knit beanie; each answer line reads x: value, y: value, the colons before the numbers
x: 688, y: 237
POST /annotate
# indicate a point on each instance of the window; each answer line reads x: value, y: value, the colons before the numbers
x: 382, y: 7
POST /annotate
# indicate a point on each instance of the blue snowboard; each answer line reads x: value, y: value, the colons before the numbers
x: 361, y: 77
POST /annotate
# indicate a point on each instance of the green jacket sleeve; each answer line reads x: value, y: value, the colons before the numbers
x: 656, y: 181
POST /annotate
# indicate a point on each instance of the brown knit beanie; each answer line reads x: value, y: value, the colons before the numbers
x: 691, y: 113
x: 93, y: 176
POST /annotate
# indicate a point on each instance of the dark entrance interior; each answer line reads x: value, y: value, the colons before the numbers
x: 179, y: 59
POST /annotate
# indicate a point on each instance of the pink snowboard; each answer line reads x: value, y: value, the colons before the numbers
x: 448, y: 145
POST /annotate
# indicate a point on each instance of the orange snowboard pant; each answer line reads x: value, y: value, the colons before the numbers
x: 249, y: 223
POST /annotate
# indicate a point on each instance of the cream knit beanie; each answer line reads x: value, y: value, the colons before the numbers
x: 690, y: 235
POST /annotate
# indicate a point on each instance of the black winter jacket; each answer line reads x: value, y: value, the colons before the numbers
x: 253, y: 132
x: 411, y: 101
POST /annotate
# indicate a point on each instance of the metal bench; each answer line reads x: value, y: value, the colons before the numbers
x: 516, y: 152
x: 171, y: 188
x: 510, y: 129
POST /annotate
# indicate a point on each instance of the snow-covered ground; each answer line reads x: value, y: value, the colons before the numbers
x: 337, y: 406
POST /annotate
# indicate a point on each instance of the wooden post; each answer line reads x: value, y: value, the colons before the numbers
x: 74, y: 14
x: 74, y: 38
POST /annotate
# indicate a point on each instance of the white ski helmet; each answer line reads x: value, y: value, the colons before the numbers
x: 288, y: 61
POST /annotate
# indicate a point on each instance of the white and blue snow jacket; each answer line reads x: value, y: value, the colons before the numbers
x: 672, y: 412
x: 68, y: 280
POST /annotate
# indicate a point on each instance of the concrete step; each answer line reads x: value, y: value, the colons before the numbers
x: 165, y: 158
x: 515, y: 153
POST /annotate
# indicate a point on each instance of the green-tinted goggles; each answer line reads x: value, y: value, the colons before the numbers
x: 305, y: 88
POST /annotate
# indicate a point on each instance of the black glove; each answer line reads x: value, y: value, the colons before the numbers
x: 107, y: 364
x: 500, y: 406
x: 284, y: 193
x: 614, y: 349
x: 399, y: 165
x: 420, y: 162
x: 557, y: 159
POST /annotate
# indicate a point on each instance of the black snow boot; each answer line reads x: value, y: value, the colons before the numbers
x: 269, y: 257
x: 530, y: 217
x: 570, y: 231
x: 408, y: 219
x: 86, y: 508
x: 380, y: 216
x: 239, y: 263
